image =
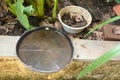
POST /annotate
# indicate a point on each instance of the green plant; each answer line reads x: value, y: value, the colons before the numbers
x: 100, y: 61
x: 11, y: 6
x: 40, y: 8
x: 37, y: 6
x: 117, y: 1
x: 104, y: 58
x: 21, y: 12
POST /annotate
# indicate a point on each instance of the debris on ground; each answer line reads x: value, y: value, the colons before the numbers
x: 74, y: 19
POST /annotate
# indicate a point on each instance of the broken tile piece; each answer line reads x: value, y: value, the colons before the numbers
x: 116, y: 30
x: 109, y: 33
x: 116, y: 8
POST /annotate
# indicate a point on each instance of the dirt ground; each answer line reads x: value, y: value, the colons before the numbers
x: 13, y: 69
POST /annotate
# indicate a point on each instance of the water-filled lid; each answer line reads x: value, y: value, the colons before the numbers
x: 45, y: 49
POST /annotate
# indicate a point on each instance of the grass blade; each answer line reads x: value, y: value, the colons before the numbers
x: 10, y: 6
x: 102, y: 24
x: 100, y: 61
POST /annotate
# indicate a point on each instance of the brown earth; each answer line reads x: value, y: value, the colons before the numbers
x: 13, y: 69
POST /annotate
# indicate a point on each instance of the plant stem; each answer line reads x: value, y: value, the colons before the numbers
x: 49, y: 3
x: 10, y: 7
x: 32, y: 2
x: 40, y: 8
x: 54, y: 15
x: 103, y: 24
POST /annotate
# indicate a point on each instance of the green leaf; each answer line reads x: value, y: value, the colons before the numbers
x: 29, y: 10
x: 10, y: 6
x: 102, y: 24
x: 109, y: 0
x: 100, y: 61
x: 19, y: 11
x: 117, y: 1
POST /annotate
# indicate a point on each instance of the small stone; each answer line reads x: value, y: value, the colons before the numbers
x: 116, y: 30
x: 49, y: 18
x: 76, y: 16
x: 98, y: 35
x: 43, y: 24
x: 58, y: 25
x: 9, y: 26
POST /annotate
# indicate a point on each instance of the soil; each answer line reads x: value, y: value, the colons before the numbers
x: 14, y: 28
x: 9, y: 25
x: 74, y: 20
x: 13, y: 69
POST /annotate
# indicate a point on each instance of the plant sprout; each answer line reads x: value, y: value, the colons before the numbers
x: 22, y: 12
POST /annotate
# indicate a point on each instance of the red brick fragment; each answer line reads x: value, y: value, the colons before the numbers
x: 116, y: 8
x: 109, y: 34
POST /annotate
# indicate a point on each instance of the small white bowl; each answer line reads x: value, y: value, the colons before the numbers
x: 87, y: 16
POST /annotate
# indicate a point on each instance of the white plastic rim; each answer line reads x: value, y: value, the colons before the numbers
x: 87, y: 16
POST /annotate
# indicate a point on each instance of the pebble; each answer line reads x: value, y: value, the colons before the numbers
x: 116, y: 31
x: 43, y: 24
x: 58, y: 25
